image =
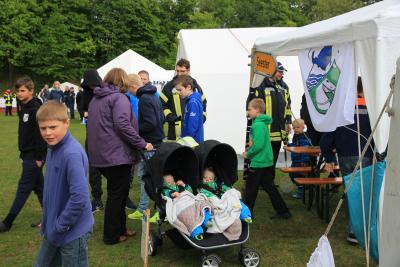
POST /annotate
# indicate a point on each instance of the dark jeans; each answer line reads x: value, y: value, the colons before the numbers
x: 263, y: 177
x: 117, y: 192
x: 73, y: 254
x: 276, y: 147
x: 94, y: 178
x: 80, y: 111
x: 31, y: 179
x: 8, y: 111
x: 293, y: 175
x: 95, y: 182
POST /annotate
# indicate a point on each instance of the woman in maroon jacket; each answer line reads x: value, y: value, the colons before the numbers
x: 114, y: 145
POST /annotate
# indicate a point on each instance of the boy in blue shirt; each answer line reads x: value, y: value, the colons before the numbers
x: 67, y: 215
x: 299, y: 159
x: 193, y: 115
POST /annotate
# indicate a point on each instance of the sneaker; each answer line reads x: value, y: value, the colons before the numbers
x: 351, y: 238
x: 282, y: 216
x: 4, y: 227
x: 130, y: 205
x: 36, y: 224
x: 155, y: 218
x: 97, y: 205
x: 137, y: 215
x: 298, y: 195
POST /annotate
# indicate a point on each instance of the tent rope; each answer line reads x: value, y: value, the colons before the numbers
x: 240, y: 42
x: 328, y: 228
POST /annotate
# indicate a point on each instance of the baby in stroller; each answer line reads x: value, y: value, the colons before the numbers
x: 174, y: 190
x: 211, y: 188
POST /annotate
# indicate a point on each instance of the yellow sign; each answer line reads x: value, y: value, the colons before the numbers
x: 264, y: 64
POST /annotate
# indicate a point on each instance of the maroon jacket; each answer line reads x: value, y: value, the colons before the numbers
x: 112, y: 132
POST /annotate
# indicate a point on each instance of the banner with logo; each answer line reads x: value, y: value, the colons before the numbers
x: 330, y: 79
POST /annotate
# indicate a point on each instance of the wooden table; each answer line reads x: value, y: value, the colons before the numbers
x: 313, y: 151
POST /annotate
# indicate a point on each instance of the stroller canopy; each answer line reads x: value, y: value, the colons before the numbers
x: 219, y: 156
x: 175, y: 159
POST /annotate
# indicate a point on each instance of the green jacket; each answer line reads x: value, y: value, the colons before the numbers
x: 260, y: 154
x: 168, y: 189
x: 214, y: 186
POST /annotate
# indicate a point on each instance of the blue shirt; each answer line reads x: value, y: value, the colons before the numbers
x: 135, y: 104
x: 193, y: 118
x: 67, y: 213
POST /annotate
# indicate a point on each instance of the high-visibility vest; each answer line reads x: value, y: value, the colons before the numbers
x: 8, y: 99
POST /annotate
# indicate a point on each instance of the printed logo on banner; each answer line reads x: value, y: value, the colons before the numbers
x: 329, y: 76
x: 323, y: 79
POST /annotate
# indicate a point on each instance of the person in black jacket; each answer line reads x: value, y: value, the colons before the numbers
x: 79, y: 104
x: 32, y: 149
x: 150, y: 120
x: 345, y: 140
x: 91, y: 80
x: 174, y: 106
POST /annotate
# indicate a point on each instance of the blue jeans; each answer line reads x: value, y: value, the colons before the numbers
x: 73, y: 254
x: 347, y: 165
x: 144, y: 198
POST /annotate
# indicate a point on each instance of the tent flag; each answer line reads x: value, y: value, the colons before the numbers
x: 322, y: 256
x: 355, y: 204
x: 329, y: 78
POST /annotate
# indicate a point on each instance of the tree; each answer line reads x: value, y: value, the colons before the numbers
x: 18, y: 25
x: 324, y: 9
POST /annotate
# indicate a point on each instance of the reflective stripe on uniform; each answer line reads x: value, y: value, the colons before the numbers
x: 203, y: 98
x: 178, y: 111
x: 276, y: 139
x: 205, y: 114
x: 164, y: 97
x: 268, y: 105
x: 287, y: 108
x: 167, y: 112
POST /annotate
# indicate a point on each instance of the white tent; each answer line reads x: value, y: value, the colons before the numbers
x: 219, y: 61
x: 76, y: 87
x: 132, y: 62
x: 375, y: 32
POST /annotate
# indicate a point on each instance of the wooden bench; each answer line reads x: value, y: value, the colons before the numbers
x: 307, y: 169
x: 322, y: 192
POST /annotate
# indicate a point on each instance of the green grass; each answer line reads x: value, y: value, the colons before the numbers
x: 280, y: 243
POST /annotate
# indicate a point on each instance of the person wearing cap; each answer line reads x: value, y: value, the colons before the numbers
x: 8, y: 101
x: 275, y: 92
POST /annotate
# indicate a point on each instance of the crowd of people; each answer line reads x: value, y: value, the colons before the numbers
x: 125, y: 116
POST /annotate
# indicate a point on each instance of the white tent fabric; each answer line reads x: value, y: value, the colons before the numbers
x: 374, y: 29
x: 132, y: 62
x: 219, y: 61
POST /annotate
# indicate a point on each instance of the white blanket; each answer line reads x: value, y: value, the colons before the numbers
x: 226, y: 215
x: 186, y: 212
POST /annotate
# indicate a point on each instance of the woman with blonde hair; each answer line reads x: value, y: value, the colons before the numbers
x: 114, y: 145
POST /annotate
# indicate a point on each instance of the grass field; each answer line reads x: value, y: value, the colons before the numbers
x: 280, y: 243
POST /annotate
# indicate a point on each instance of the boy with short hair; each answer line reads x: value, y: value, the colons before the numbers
x: 193, y: 115
x: 299, y: 159
x: 261, y: 171
x: 32, y: 148
x: 67, y: 216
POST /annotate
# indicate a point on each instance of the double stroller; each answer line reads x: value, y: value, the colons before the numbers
x: 188, y: 164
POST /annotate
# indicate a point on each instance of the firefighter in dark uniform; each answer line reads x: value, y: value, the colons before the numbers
x: 275, y: 92
x: 174, y: 106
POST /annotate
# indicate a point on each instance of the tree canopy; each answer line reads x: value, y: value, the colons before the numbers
x: 51, y: 39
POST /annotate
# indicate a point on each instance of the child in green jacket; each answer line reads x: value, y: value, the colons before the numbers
x: 210, y: 187
x: 261, y: 172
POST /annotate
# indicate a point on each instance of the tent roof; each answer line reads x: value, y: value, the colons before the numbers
x: 132, y: 62
x: 374, y: 21
x: 228, y: 48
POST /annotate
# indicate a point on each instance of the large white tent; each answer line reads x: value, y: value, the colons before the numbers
x: 132, y: 62
x: 375, y: 33
x: 219, y: 61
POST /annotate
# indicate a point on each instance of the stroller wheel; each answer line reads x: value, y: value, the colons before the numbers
x: 212, y: 260
x: 249, y: 257
x: 152, y: 249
